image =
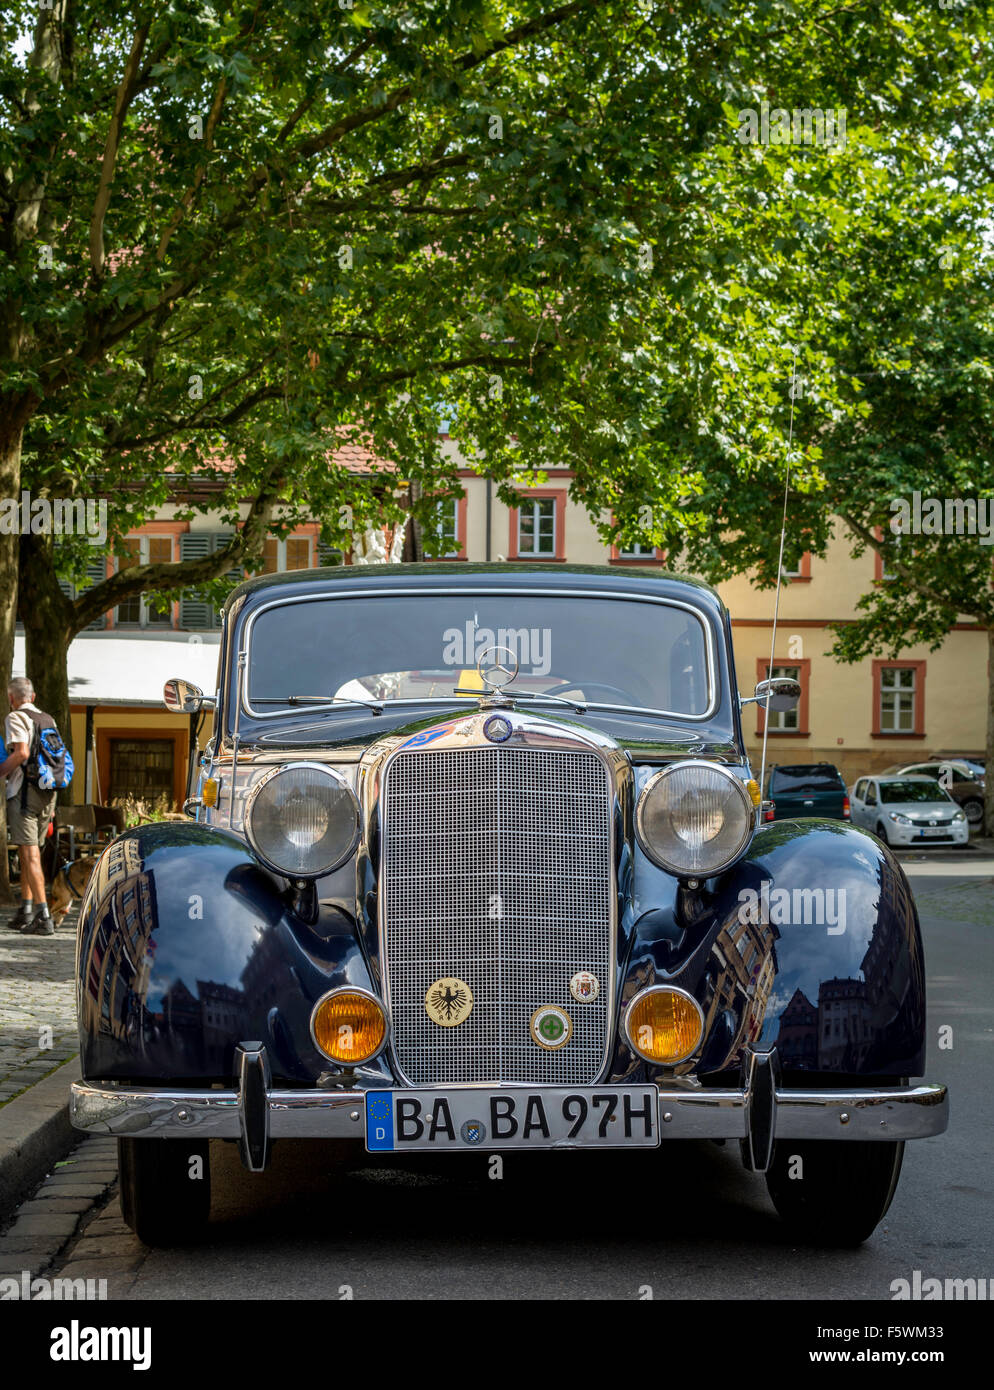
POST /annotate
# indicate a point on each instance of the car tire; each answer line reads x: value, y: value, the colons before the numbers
x: 882, y: 833
x: 840, y: 1191
x: 974, y: 812
x: 165, y: 1195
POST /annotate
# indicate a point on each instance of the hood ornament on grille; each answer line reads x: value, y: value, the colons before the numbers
x: 496, y: 668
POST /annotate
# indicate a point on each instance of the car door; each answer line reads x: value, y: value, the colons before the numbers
x: 856, y: 802
x: 871, y: 806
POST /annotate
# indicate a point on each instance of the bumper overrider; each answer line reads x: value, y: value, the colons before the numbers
x: 758, y: 1112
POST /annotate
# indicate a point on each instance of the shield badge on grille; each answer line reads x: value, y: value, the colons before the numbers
x: 551, y: 1028
x: 449, y: 1001
x: 584, y: 986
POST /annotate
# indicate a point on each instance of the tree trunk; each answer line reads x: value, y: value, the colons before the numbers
x: 45, y: 612
x: 988, y: 827
x: 11, y: 435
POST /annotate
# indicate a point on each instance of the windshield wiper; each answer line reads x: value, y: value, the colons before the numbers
x: 525, y: 695
x: 320, y: 700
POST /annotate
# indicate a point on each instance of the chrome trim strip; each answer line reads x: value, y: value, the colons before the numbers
x: 477, y: 592
x: 885, y: 1114
x: 254, y: 1085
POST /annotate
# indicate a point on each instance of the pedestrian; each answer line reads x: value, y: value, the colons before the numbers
x: 29, y: 808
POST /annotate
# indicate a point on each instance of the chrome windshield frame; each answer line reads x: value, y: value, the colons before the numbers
x: 482, y: 591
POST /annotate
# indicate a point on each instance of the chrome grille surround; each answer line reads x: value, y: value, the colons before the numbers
x: 497, y: 865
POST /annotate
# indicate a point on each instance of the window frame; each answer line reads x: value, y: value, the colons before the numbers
x: 168, y: 620
x: 917, y: 731
x: 803, y: 666
x: 540, y: 494
x: 461, y: 514
x: 802, y: 575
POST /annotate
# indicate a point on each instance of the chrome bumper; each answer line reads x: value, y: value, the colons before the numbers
x: 758, y: 1114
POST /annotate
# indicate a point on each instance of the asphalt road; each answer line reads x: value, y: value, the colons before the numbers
x: 684, y: 1222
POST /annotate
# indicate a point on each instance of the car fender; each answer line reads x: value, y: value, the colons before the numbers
x: 188, y: 945
x: 810, y: 943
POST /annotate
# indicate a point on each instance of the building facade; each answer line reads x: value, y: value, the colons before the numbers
x: 863, y: 718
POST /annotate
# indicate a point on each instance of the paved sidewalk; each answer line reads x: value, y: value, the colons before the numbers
x: 74, y: 1198
x: 37, y: 1003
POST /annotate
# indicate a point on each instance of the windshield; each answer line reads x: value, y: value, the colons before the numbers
x: 806, y: 779
x: 912, y: 791
x: 649, y: 655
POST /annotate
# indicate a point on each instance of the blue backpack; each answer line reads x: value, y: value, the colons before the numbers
x: 49, y: 766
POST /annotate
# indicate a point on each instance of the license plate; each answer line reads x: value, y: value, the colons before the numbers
x: 599, y: 1117
x: 934, y: 830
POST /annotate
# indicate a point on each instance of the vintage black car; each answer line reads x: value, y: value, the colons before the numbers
x: 478, y: 865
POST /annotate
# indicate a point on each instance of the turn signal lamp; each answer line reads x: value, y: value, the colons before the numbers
x: 208, y: 792
x: 752, y: 787
x: 349, y: 1026
x: 664, y: 1025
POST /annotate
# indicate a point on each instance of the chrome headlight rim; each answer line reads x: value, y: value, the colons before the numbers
x: 680, y: 871
x: 367, y: 994
x: 663, y: 989
x: 281, y: 770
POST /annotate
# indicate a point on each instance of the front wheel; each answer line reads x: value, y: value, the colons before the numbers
x: 882, y: 833
x: 974, y: 812
x: 165, y: 1189
x: 833, y: 1191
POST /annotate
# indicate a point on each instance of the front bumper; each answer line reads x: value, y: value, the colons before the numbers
x: 758, y: 1113
x: 958, y: 833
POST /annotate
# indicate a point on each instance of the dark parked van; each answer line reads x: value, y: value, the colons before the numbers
x: 808, y: 789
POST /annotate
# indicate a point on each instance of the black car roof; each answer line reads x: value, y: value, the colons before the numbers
x: 503, y: 573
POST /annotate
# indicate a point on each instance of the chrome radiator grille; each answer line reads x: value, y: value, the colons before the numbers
x: 496, y: 868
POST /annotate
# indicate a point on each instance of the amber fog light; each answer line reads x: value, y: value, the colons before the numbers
x: 664, y: 1025
x: 349, y: 1026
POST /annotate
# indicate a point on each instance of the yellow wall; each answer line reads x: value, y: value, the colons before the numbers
x: 149, y: 723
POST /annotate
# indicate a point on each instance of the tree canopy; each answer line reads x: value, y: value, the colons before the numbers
x: 249, y: 233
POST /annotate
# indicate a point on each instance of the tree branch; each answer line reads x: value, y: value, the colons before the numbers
x: 214, y: 115
x: 246, y: 543
x: 909, y: 576
x: 125, y: 92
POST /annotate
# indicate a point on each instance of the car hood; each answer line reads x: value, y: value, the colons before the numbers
x: 920, y: 810
x: 644, y: 739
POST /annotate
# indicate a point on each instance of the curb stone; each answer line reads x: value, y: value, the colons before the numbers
x: 34, y: 1134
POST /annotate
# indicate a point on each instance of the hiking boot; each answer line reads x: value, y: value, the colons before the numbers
x: 21, y: 918
x: 41, y: 924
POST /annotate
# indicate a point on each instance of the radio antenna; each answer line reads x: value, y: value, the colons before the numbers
x: 776, y: 602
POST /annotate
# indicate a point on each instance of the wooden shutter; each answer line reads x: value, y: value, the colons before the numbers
x: 194, y: 611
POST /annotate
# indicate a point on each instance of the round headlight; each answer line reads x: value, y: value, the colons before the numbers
x: 694, y: 818
x: 664, y: 1024
x: 349, y: 1026
x: 302, y: 819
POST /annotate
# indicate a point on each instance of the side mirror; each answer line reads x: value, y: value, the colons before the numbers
x: 183, y: 697
x: 784, y: 693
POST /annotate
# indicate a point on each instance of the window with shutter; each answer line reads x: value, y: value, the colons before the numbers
x: 194, y: 610
x: 95, y: 574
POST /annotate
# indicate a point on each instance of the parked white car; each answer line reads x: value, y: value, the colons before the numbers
x: 908, y: 811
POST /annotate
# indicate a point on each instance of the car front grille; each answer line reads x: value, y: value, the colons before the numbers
x: 496, y: 869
